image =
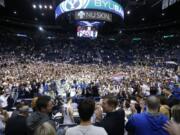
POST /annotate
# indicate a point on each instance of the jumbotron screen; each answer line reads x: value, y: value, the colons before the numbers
x: 87, y: 32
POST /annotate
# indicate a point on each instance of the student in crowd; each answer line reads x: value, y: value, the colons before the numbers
x: 150, y: 122
x: 44, y: 107
x: 17, y: 125
x: 114, y: 120
x: 164, y: 108
x: 68, y: 112
x: 173, y: 126
x: 45, y: 129
x: 175, y: 113
x: 86, y: 109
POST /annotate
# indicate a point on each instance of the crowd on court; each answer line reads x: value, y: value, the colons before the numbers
x: 134, y: 90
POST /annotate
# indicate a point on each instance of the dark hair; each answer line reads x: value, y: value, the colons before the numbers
x: 175, y: 111
x: 86, y: 109
x: 111, y: 100
x: 19, y: 105
x: 153, y: 91
x: 68, y: 99
x: 163, y: 100
x: 42, y: 102
x: 153, y: 102
x: 127, y: 104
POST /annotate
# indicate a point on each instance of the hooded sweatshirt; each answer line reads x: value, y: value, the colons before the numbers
x: 147, y: 124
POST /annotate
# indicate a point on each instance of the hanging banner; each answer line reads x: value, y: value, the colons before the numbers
x: 2, y: 3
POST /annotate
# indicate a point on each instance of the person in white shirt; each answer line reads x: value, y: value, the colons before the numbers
x: 86, y: 109
x: 3, y: 100
x: 68, y: 112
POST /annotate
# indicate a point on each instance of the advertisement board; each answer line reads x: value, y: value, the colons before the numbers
x: 93, y: 15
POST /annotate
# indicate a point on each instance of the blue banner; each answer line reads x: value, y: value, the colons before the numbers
x: 103, y: 5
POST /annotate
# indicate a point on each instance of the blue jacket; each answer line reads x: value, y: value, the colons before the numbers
x: 147, y: 124
x: 176, y: 92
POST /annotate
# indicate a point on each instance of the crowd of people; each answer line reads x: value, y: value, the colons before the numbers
x: 115, y: 85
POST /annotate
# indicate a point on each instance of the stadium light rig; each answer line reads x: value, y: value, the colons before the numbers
x: 40, y: 6
x: 41, y: 28
x: 163, y: 14
x: 34, y: 6
x: 50, y: 7
x: 15, y: 12
x: 128, y: 12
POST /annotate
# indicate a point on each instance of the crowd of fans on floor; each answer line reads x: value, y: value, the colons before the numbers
x: 47, y: 85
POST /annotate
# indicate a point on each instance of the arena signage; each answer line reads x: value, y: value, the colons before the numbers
x: 93, y: 15
x: 102, y: 5
x: 2, y: 3
x: 167, y: 3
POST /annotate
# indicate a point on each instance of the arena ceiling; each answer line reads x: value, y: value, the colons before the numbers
x: 137, y: 12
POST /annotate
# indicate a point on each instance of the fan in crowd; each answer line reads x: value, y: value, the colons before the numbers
x: 93, y: 87
x: 86, y: 109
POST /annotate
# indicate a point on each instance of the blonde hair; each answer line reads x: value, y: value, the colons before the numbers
x: 33, y: 103
x: 45, y: 129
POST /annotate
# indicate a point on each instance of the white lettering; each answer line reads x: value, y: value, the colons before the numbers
x: 105, y: 3
x: 108, y: 5
x: 116, y: 8
x: 111, y: 6
x: 98, y: 3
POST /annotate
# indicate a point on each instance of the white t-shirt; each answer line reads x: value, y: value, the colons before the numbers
x: 3, y: 101
x: 86, y: 130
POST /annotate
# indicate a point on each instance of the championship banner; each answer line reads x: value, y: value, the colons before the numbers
x: 2, y: 3
x: 101, y: 5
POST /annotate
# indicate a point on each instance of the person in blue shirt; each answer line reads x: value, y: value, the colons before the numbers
x: 176, y: 91
x: 150, y: 122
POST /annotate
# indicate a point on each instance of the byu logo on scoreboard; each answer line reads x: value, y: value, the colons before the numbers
x: 75, y: 4
x: 81, y: 14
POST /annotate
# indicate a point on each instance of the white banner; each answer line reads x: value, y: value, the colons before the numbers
x: 2, y: 3
x: 165, y: 4
x: 119, y: 76
x: 171, y: 2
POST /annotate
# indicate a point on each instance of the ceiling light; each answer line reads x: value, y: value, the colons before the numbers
x: 15, y: 12
x: 41, y: 28
x: 143, y: 19
x: 128, y: 12
x: 34, y: 6
x: 50, y: 7
x: 45, y: 6
x: 40, y: 6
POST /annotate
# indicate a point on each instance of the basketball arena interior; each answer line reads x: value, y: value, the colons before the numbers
x: 89, y: 67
